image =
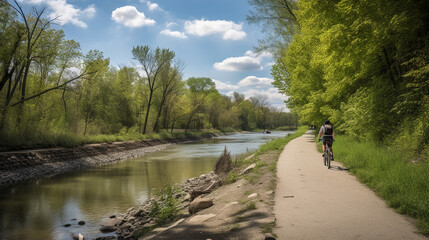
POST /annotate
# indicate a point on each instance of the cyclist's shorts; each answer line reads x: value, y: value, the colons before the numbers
x: 329, y: 138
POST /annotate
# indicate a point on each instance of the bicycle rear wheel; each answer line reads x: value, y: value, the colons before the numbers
x: 328, y: 158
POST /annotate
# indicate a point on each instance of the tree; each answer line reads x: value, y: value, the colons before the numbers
x: 170, y: 83
x: 152, y: 63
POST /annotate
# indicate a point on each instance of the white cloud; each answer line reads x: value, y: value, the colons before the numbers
x: 255, y: 81
x: 224, y: 86
x: 131, y: 17
x: 153, y: 6
x: 65, y: 12
x: 228, y: 29
x: 272, y: 94
x: 89, y: 11
x: 170, y: 24
x: 250, y: 61
x: 235, y: 64
x: 175, y: 34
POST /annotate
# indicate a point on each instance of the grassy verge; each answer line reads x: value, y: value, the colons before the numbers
x: 389, y: 173
x: 276, y: 145
x: 62, y: 139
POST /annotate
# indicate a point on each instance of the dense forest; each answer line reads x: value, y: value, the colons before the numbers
x: 362, y: 64
x: 51, y: 92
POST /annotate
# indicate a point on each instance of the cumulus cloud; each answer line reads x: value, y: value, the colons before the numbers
x: 175, y: 34
x: 224, y: 86
x: 153, y: 6
x: 131, y: 17
x: 250, y: 61
x: 272, y: 94
x: 235, y: 64
x: 255, y: 81
x: 228, y: 29
x: 65, y: 12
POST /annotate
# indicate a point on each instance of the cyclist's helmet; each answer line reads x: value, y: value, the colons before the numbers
x: 327, y: 121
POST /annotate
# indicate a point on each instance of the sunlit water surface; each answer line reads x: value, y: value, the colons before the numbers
x: 40, y: 210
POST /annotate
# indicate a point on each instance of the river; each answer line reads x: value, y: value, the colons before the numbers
x: 39, y: 210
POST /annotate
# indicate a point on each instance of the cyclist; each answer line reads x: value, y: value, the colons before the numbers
x: 328, y: 134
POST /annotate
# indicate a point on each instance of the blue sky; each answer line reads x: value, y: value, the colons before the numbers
x: 211, y: 37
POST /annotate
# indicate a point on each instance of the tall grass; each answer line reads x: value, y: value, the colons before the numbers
x: 390, y: 173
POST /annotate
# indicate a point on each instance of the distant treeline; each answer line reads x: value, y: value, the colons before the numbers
x: 362, y: 64
x: 49, y: 88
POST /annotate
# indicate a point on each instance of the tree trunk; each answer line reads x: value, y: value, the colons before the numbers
x: 147, y: 112
x: 156, y: 126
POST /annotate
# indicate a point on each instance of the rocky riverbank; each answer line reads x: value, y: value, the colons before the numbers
x: 235, y: 206
x: 23, y: 166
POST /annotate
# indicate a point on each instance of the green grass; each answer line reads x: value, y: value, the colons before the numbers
x: 251, y: 206
x: 39, y: 139
x: 279, y: 143
x: 268, y: 228
x: 403, y: 184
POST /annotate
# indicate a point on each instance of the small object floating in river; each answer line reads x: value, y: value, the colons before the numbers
x: 288, y: 196
x: 67, y: 225
x: 81, y: 223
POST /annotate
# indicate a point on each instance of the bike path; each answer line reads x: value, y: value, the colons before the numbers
x: 313, y: 202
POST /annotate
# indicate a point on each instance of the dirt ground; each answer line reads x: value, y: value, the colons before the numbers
x: 241, y: 210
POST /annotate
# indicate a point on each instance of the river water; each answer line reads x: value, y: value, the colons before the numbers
x: 39, y: 210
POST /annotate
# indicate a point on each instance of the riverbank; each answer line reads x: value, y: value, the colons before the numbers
x: 23, y: 166
x: 242, y: 208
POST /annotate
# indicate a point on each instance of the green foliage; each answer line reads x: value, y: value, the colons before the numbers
x: 52, y: 94
x: 251, y: 206
x: 363, y: 65
x: 167, y: 207
x: 403, y: 183
x: 268, y: 228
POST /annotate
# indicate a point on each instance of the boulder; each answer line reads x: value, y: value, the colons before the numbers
x: 107, y: 229
x: 199, y: 204
x: 81, y: 223
x: 269, y: 236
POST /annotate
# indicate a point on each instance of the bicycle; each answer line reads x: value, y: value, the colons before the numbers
x: 328, y: 155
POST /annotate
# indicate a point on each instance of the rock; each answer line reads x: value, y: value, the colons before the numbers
x: 107, y: 229
x: 199, y: 204
x: 130, y: 209
x: 248, y: 169
x: 203, y: 176
x: 252, y: 195
x: 67, y: 225
x: 106, y: 238
x: 201, y: 218
x: 113, y: 216
x: 269, y: 192
x: 269, y: 236
x: 113, y: 222
x: 81, y: 223
x: 78, y: 236
x: 187, y: 198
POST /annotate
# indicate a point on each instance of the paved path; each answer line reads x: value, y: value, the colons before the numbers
x: 313, y: 202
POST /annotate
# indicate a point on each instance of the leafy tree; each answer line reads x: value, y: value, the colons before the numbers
x: 152, y: 63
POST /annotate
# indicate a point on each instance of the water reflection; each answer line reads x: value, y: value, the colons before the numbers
x: 39, y: 210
